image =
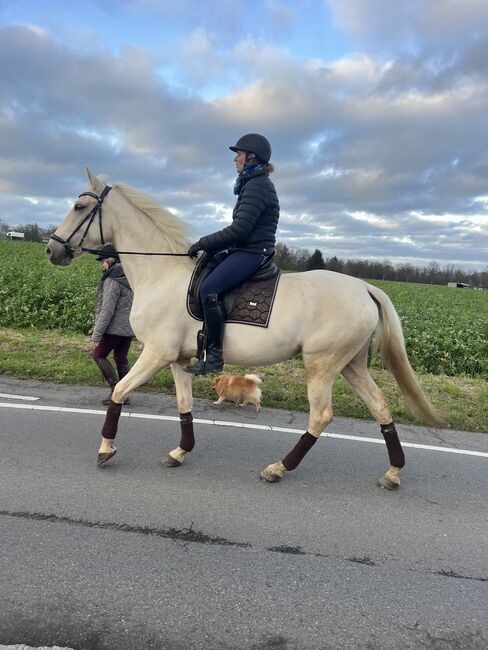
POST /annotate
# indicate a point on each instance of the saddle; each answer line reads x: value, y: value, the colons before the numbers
x: 249, y: 303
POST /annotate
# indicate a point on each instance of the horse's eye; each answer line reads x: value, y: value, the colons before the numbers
x: 79, y: 206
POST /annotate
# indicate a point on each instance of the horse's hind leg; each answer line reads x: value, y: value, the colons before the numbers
x: 143, y: 369
x: 357, y: 374
x: 319, y: 389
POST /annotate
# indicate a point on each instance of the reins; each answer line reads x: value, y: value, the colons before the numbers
x: 94, y: 251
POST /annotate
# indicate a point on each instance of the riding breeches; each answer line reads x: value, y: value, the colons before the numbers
x: 233, y: 270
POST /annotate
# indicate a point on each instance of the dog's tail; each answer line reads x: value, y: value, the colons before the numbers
x: 254, y: 378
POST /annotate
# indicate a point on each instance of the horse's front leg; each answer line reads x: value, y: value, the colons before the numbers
x: 144, y: 368
x: 184, y: 398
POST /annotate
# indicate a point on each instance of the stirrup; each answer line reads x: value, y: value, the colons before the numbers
x: 197, y: 368
x: 205, y: 366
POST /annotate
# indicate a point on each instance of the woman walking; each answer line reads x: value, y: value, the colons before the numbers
x: 112, y: 331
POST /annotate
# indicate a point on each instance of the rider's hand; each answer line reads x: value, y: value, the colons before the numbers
x: 194, y: 248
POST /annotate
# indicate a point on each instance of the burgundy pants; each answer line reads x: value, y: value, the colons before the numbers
x: 118, y: 344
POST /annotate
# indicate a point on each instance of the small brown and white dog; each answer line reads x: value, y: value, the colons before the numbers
x: 241, y: 390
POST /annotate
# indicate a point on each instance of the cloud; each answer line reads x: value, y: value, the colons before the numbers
x: 282, y: 15
x: 413, y: 25
x: 375, y: 155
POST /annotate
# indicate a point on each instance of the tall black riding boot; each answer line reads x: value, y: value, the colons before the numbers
x: 109, y: 375
x: 213, y: 358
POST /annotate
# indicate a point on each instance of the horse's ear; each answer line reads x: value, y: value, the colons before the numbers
x: 94, y: 182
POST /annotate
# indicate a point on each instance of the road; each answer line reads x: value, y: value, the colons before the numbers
x: 206, y: 556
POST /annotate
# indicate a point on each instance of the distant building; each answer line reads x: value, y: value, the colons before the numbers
x: 15, y: 235
x: 459, y: 285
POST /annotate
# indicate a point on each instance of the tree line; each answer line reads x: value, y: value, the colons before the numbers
x: 32, y: 231
x: 299, y: 259
x: 292, y: 259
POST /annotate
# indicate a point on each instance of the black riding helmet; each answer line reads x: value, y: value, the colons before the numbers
x: 106, y: 251
x: 256, y: 144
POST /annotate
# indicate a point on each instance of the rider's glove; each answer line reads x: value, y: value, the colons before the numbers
x: 194, y: 248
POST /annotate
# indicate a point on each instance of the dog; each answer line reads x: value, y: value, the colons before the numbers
x: 241, y: 390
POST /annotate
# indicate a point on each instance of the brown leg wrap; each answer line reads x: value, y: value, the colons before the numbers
x: 187, y: 441
x: 294, y: 458
x: 395, y: 451
x: 109, y: 429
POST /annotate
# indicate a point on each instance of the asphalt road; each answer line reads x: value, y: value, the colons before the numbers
x: 206, y: 556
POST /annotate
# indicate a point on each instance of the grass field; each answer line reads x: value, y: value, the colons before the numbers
x: 62, y: 357
x: 446, y: 330
x: 46, y: 313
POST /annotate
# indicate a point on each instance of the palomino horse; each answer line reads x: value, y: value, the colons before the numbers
x: 327, y: 317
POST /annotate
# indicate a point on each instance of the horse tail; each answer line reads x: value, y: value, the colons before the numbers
x: 389, y: 337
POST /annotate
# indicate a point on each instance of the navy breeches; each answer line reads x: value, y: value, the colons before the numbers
x: 236, y: 268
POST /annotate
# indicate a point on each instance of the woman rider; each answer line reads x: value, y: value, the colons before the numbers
x: 250, y: 239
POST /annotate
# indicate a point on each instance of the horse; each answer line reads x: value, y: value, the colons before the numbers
x: 331, y: 319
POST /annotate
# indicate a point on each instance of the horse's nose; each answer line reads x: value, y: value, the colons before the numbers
x: 48, y: 252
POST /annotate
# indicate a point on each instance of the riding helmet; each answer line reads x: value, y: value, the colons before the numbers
x: 106, y: 251
x: 256, y: 144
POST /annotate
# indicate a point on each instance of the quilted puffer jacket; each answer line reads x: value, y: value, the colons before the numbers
x: 114, y: 302
x: 254, y: 220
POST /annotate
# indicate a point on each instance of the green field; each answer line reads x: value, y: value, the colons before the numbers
x: 446, y: 330
x: 46, y: 314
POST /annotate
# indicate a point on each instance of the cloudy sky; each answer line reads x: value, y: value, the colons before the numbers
x: 377, y: 112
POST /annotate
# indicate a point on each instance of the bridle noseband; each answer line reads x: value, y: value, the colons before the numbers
x: 89, y: 218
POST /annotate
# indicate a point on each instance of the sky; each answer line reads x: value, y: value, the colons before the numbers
x: 377, y: 113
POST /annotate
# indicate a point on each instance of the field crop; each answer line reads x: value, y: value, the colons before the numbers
x: 34, y: 293
x: 446, y: 330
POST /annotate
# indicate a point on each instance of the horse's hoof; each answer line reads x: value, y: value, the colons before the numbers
x: 106, y: 456
x: 169, y: 461
x: 269, y: 477
x: 387, y: 484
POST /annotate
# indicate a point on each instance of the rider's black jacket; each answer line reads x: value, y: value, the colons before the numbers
x: 254, y: 220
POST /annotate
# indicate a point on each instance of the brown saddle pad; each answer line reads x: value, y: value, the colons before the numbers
x: 248, y: 304
x: 254, y: 303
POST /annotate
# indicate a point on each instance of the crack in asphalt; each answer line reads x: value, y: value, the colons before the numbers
x: 362, y: 560
x: 189, y: 535
x: 292, y: 550
x: 180, y: 535
x: 453, y: 574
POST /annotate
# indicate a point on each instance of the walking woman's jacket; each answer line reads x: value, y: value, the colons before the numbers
x: 113, y: 305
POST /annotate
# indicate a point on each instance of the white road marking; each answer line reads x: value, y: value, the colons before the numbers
x: 239, y: 425
x: 28, y: 398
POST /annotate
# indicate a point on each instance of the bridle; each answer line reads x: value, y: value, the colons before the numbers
x: 90, y: 217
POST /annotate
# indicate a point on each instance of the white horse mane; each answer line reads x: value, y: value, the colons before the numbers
x: 175, y: 231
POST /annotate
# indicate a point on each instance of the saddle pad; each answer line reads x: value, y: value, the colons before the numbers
x: 248, y: 304
x: 254, y: 302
